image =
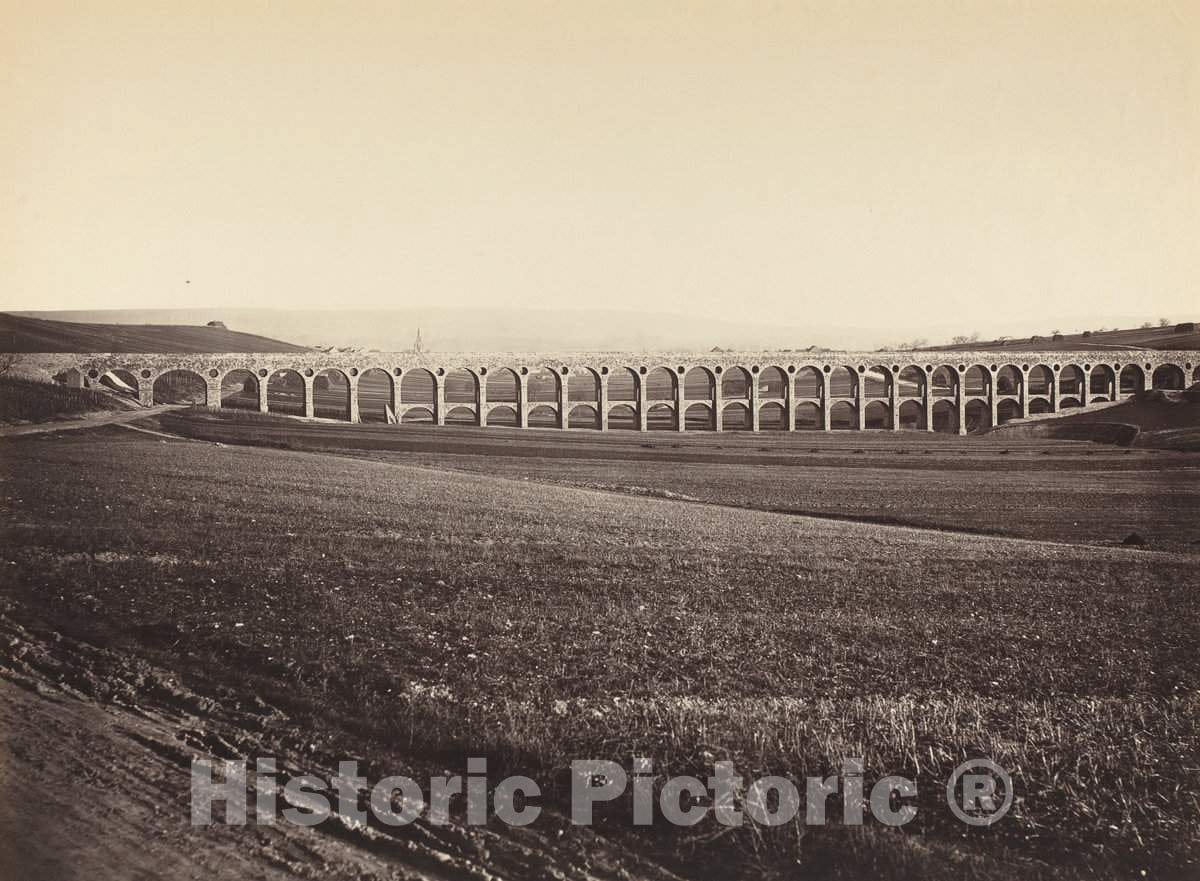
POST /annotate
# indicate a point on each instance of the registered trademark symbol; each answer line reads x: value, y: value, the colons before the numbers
x: 985, y: 794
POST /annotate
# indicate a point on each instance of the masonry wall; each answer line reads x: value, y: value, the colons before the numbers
x: 890, y: 390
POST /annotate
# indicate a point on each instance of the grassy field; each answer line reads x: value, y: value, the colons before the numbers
x: 27, y: 400
x: 1020, y: 487
x: 1173, y: 337
x: 21, y: 333
x: 446, y: 613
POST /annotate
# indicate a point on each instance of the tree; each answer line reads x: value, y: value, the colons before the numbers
x: 1146, y: 325
x: 1164, y: 322
x: 7, y: 361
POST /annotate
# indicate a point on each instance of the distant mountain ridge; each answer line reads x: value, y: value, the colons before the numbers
x: 23, y: 334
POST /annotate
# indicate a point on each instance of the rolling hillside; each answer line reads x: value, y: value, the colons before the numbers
x: 1174, y: 337
x: 1155, y: 419
x: 21, y: 334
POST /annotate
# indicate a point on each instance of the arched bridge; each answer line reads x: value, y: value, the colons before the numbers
x: 932, y: 391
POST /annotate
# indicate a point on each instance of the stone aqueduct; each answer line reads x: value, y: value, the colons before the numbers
x: 926, y: 390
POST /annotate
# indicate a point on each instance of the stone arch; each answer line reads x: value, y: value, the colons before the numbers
x: 239, y: 390
x: 911, y: 383
x: 943, y: 383
x: 418, y: 386
x: 772, y: 383
x: 622, y: 385
x: 843, y: 382
x: 877, y: 382
x: 1196, y: 374
x: 180, y: 387
x: 1007, y: 410
x: 843, y: 416
x: 460, y: 386
x: 735, y: 384
x: 699, y: 417
x: 503, y: 387
x: 1071, y: 381
x: 542, y: 416
x: 912, y: 416
x: 1041, y: 380
x: 945, y: 416
x: 374, y: 395
x: 698, y: 383
x: 622, y: 417
x: 772, y: 417
x: 119, y: 380
x: 285, y: 392
x: 809, y: 383
x: 1168, y: 376
x: 977, y: 380
x: 1101, y: 382
x: 460, y: 415
x: 979, y: 416
x: 877, y: 414
x: 735, y: 416
x: 583, y: 416
x: 808, y: 416
x: 502, y: 417
x: 583, y: 385
x: 542, y: 385
x: 661, y: 417
x: 660, y: 385
x: 1009, y: 380
x: 1131, y: 380
x: 1068, y: 403
x: 331, y: 395
x: 418, y: 416
x: 1039, y: 405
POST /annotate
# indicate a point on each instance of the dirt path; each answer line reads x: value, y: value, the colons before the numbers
x: 95, y: 751
x: 91, y: 421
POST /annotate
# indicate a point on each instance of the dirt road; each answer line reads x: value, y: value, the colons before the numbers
x: 90, y: 421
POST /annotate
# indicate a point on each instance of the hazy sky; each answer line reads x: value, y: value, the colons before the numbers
x: 880, y: 165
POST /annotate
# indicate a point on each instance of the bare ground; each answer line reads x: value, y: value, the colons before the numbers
x: 94, y: 784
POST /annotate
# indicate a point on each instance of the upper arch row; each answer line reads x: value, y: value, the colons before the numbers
x: 937, y: 373
x: 94, y: 368
x: 808, y: 382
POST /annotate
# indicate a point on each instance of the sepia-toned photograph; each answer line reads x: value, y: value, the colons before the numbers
x: 600, y: 441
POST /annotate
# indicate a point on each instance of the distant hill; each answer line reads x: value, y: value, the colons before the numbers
x: 22, y: 334
x: 494, y: 329
x: 497, y: 329
x: 1173, y: 337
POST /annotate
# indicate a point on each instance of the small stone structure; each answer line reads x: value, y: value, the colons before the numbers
x: 891, y: 390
